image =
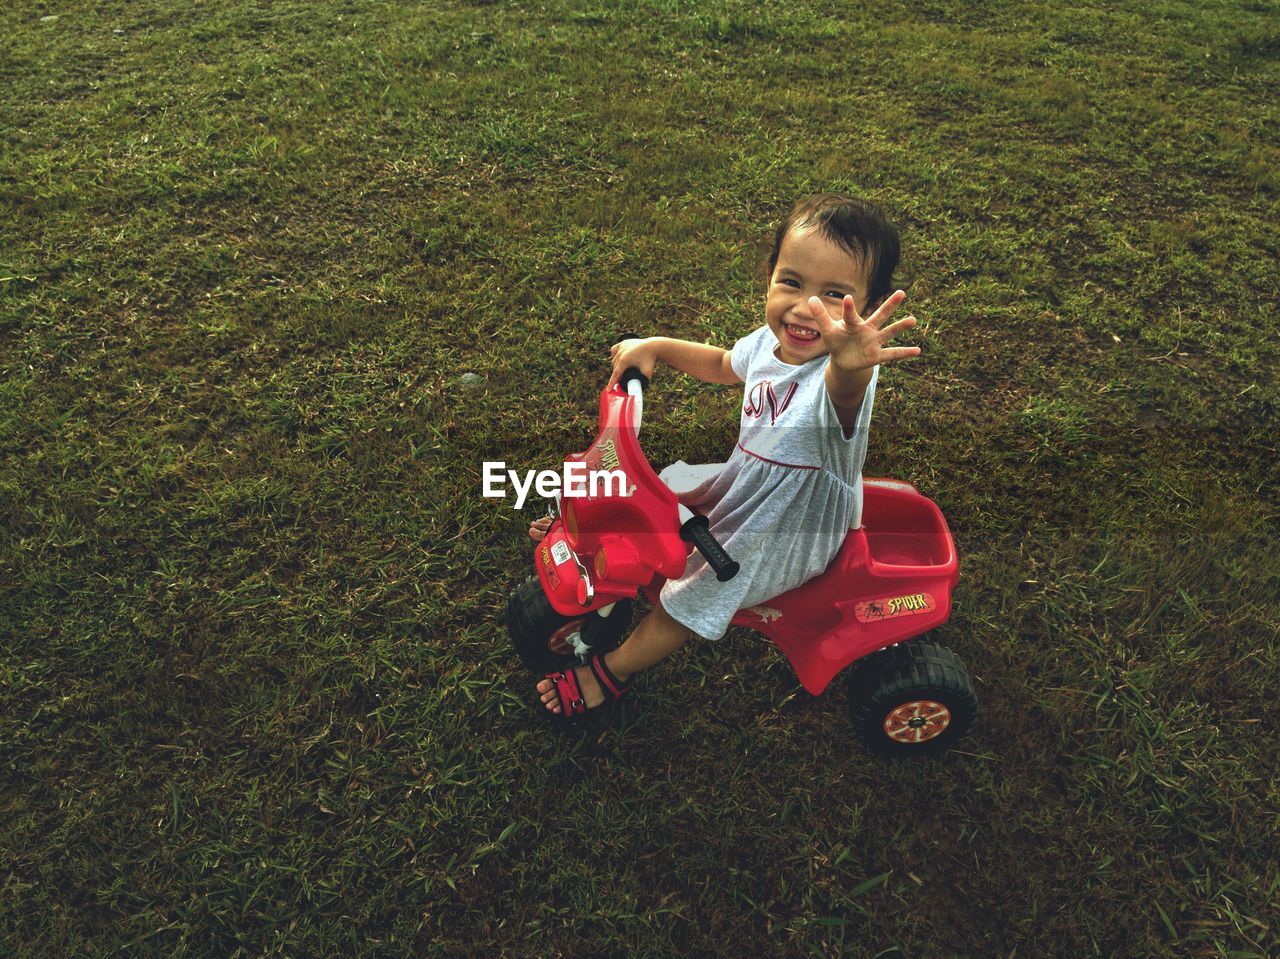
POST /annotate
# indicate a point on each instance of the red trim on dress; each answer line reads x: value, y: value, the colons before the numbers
x: 766, y: 459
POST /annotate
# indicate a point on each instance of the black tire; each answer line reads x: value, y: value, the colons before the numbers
x: 538, y: 632
x: 928, y: 688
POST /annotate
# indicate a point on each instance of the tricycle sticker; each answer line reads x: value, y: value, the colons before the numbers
x: 561, y: 553
x: 875, y: 610
x: 544, y: 555
x: 608, y: 454
x: 767, y: 613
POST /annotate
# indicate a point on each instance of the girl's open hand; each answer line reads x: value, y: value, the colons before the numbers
x: 858, y: 344
x: 642, y: 354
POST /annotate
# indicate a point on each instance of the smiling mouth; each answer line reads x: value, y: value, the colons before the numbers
x: 800, y: 333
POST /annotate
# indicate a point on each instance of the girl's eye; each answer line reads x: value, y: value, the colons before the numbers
x: 835, y: 293
x: 789, y: 282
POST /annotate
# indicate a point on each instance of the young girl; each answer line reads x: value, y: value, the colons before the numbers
x: 782, y: 504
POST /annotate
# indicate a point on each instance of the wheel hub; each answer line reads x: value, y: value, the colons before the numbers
x: 559, y: 642
x: 917, y: 721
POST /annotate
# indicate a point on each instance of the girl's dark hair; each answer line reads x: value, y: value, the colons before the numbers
x: 860, y: 226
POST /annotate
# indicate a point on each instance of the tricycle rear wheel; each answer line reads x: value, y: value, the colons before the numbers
x: 540, y: 635
x: 912, y: 699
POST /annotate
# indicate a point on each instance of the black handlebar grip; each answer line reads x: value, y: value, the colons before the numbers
x: 696, y: 531
x: 631, y: 373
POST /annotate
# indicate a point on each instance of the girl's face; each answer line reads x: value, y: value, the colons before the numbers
x: 809, y: 265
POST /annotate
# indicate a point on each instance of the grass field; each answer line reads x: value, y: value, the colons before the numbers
x: 256, y: 696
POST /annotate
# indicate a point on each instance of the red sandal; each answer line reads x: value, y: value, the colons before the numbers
x: 572, y: 706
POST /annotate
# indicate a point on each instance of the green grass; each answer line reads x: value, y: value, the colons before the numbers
x: 255, y: 692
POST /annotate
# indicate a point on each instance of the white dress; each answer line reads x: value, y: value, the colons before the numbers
x: 783, y: 503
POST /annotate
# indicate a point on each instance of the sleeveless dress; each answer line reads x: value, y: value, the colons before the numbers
x: 783, y: 503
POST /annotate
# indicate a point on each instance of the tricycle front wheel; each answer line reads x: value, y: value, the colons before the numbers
x: 542, y: 637
x: 914, y: 699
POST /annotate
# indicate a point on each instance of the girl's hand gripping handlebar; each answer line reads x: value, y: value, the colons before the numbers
x: 631, y: 362
x: 626, y: 375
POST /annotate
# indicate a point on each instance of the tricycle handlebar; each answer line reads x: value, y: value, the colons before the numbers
x: 697, y: 531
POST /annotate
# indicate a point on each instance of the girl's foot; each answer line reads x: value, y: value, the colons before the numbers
x: 538, y: 528
x: 592, y: 695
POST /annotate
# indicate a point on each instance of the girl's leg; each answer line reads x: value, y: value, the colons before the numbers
x: 657, y: 637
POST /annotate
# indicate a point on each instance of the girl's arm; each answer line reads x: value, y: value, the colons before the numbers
x: 708, y: 363
x: 856, y: 346
x: 847, y: 390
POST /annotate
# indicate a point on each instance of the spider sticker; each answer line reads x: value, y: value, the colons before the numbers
x: 767, y: 613
x: 875, y: 610
x: 608, y: 454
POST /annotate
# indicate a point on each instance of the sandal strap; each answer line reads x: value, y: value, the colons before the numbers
x: 610, y: 685
x: 568, y: 692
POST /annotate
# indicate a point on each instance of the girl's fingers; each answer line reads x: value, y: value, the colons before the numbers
x: 898, y: 353
x: 820, y: 315
x: 893, y: 329
x: 894, y: 300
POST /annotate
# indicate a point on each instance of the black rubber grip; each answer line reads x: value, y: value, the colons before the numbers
x: 631, y: 373
x: 696, y: 531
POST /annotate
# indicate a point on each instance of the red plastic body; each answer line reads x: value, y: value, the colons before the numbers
x: 644, y: 524
x: 891, y: 580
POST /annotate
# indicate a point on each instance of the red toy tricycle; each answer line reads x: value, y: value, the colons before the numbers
x: 891, y: 581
